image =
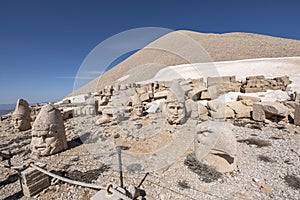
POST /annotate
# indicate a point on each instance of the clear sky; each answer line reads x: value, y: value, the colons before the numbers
x: 44, y: 42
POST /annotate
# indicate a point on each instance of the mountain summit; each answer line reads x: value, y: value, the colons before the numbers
x: 185, y: 47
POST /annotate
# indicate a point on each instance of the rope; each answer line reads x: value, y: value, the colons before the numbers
x: 66, y: 179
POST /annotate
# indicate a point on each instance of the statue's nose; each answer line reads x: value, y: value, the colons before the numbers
x: 41, y: 140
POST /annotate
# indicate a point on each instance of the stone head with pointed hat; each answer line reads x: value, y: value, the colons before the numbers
x: 21, y: 116
x: 175, y: 105
x: 48, y: 132
x: 137, y: 106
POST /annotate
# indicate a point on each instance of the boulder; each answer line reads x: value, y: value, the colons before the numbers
x: 297, y: 115
x: 219, y: 110
x: 269, y: 110
x: 202, y: 112
x: 240, y: 109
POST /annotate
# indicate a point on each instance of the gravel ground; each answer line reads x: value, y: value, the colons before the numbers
x: 268, y: 168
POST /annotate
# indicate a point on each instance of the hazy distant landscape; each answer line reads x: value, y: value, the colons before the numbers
x: 6, y: 108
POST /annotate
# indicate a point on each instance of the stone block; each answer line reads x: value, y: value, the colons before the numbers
x: 33, y: 182
x: 297, y: 115
x: 253, y: 90
x: 269, y: 110
x: 219, y: 110
x: 205, y: 95
x: 219, y: 80
x: 255, y: 77
x: 161, y: 94
x: 253, y: 99
x: 144, y: 97
x: 240, y: 109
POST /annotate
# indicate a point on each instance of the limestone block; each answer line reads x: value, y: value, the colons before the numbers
x: 240, y: 109
x: 255, y: 77
x: 195, y: 94
x: 198, y: 82
x: 219, y: 110
x: 284, y: 80
x: 144, y: 97
x: 33, y: 182
x: 253, y: 90
x: 219, y: 80
x: 268, y: 110
x: 67, y: 114
x: 202, y: 112
x: 205, y: 95
x: 297, y: 115
x: 249, y: 98
x: 161, y: 94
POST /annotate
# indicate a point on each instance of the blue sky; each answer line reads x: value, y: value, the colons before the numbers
x: 44, y: 42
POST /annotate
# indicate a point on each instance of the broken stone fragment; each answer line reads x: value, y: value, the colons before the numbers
x: 219, y: 110
x: 297, y: 115
x: 215, y: 145
x: 269, y: 110
x: 240, y: 109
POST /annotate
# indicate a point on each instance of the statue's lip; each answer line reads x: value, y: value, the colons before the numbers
x: 40, y: 147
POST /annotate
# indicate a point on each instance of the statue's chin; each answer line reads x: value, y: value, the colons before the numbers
x: 42, y: 151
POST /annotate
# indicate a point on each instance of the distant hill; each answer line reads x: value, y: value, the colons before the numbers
x: 182, y: 47
x: 4, y: 112
x: 6, y: 108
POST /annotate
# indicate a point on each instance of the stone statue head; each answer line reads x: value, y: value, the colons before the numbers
x: 137, y: 107
x: 175, y: 105
x: 48, y: 132
x: 21, y: 116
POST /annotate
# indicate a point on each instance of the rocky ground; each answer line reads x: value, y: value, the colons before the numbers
x: 268, y: 161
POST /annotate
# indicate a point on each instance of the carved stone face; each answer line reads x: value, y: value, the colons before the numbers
x: 48, y: 140
x: 21, y: 122
x: 137, y: 110
x: 176, y: 112
x: 21, y: 116
x: 48, y: 132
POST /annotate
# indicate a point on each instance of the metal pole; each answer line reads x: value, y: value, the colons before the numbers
x: 120, y: 167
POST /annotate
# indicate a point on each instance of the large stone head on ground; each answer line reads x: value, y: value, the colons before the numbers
x: 175, y: 105
x: 21, y: 116
x: 48, y: 132
x: 215, y: 145
x: 137, y: 107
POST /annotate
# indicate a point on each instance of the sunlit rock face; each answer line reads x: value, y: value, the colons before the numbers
x: 48, y: 132
x: 21, y: 116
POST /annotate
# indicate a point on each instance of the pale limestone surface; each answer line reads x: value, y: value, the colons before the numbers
x: 48, y: 132
x: 215, y: 145
x: 21, y: 116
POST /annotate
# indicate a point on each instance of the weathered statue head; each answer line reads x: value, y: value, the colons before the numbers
x: 21, y: 116
x: 48, y: 132
x: 138, y: 108
x: 175, y: 105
